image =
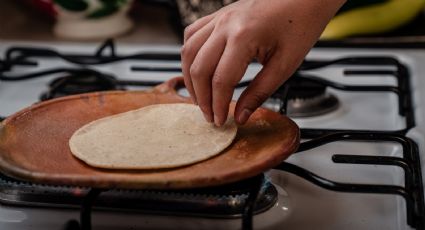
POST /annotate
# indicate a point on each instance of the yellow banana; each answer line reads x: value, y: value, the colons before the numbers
x: 373, y: 19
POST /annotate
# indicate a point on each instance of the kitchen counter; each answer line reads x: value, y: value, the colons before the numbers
x: 20, y: 22
x: 154, y: 25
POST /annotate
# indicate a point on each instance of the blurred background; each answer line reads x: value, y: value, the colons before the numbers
x: 359, y: 23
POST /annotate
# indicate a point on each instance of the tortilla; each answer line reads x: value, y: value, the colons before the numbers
x: 153, y: 137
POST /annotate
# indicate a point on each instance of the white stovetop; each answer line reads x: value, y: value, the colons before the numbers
x: 308, y: 206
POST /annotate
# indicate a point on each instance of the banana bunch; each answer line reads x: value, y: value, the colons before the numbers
x: 371, y: 19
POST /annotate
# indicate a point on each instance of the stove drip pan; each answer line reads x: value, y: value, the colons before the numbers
x: 309, y: 107
x: 220, y: 202
x: 302, y: 97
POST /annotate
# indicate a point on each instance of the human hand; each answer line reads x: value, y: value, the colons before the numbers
x: 219, y: 47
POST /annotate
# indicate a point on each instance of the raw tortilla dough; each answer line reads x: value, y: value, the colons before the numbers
x: 153, y: 137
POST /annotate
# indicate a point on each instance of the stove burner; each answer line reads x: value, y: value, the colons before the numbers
x: 316, y: 106
x: 308, y: 98
x: 79, y: 82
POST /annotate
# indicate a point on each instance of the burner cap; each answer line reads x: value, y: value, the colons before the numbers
x: 82, y: 82
x: 311, y: 107
x: 304, y: 88
x: 306, y: 97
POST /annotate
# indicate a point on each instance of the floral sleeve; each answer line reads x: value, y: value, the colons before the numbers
x: 190, y: 10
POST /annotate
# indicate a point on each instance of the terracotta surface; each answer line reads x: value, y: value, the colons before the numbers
x: 34, y: 144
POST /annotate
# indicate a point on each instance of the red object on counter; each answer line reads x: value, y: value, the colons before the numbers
x: 44, y: 6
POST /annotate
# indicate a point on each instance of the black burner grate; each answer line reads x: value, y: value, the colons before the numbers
x: 400, y: 73
x: 411, y: 191
x: 218, y: 202
x: 23, y: 56
x: 80, y: 82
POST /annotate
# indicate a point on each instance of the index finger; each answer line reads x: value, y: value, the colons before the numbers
x: 229, y: 72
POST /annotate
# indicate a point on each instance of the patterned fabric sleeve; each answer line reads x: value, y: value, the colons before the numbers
x: 191, y: 10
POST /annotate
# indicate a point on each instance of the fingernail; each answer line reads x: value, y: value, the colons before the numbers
x: 193, y: 100
x: 216, y: 121
x: 208, y: 117
x: 243, y: 117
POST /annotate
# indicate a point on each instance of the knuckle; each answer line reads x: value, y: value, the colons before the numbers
x: 187, y: 81
x: 241, y: 32
x: 188, y: 31
x: 186, y: 51
x: 218, y: 82
x: 242, y: 36
x: 195, y: 71
x: 224, y: 18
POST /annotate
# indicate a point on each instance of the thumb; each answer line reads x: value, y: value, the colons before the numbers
x: 264, y: 84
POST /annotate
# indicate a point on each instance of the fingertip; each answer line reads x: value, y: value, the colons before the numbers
x: 243, y: 117
x: 207, y: 118
x: 219, y: 121
x: 207, y: 114
x: 216, y: 121
x: 192, y: 98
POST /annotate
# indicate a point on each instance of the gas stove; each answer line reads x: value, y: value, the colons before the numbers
x: 360, y: 164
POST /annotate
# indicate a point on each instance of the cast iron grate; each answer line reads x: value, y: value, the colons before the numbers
x: 25, y: 56
x: 217, y: 202
x: 412, y: 191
